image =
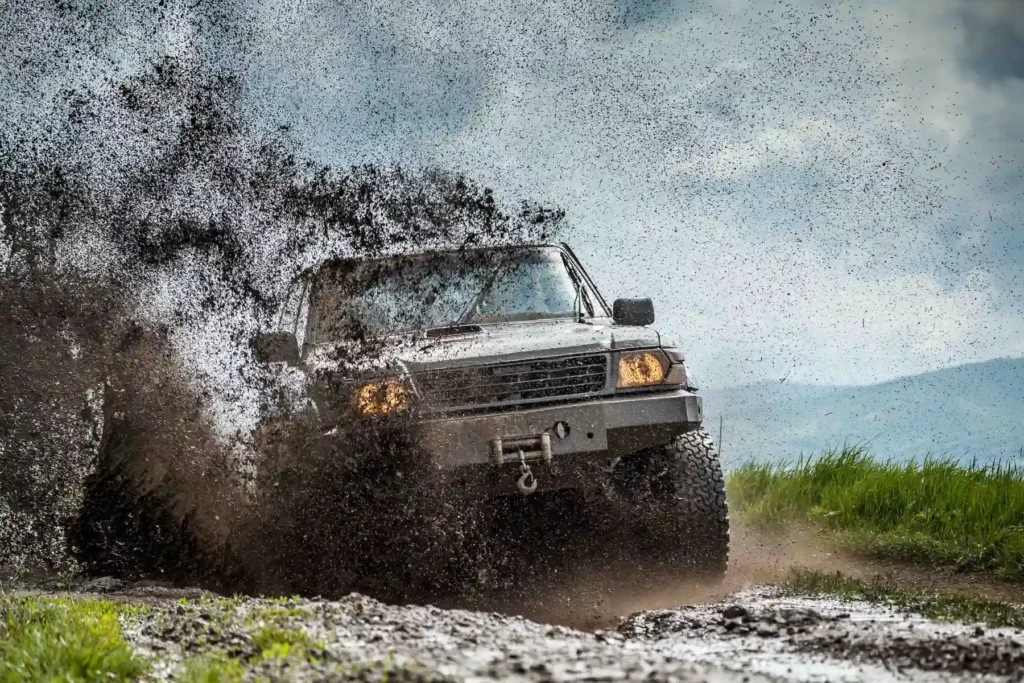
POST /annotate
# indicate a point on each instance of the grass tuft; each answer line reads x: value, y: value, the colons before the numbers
x: 968, y: 517
x: 943, y: 606
x: 212, y: 669
x: 274, y: 642
x: 66, y: 639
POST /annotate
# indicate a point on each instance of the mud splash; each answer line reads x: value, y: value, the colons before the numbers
x: 149, y: 229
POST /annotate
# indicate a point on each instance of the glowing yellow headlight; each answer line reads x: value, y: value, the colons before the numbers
x: 640, y: 369
x: 380, y: 397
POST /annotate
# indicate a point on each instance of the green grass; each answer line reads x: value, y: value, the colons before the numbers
x: 943, y: 606
x: 72, y: 640
x: 64, y: 639
x: 968, y: 517
x: 212, y: 669
x: 274, y: 642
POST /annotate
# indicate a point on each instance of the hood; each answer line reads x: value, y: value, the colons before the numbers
x: 496, y: 343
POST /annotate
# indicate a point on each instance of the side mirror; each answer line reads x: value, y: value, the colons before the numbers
x: 276, y: 347
x: 635, y: 312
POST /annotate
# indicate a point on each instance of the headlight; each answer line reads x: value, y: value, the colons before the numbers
x: 642, y: 368
x: 381, y: 396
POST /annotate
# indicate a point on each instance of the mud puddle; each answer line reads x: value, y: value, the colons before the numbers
x: 755, y: 635
x: 589, y: 598
x: 791, y: 638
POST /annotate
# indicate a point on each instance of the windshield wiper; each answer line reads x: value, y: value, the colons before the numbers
x: 452, y: 330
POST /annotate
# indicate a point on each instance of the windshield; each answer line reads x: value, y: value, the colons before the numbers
x: 391, y: 296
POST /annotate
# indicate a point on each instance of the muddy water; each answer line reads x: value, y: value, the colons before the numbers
x: 587, y: 597
x: 752, y: 635
x: 789, y: 638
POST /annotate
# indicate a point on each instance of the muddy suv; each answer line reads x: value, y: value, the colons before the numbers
x: 517, y: 377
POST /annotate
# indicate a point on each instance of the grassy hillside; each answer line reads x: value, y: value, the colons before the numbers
x: 966, y: 412
x: 966, y: 516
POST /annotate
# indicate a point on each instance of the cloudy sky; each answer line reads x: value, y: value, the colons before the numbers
x: 830, y: 193
x: 826, y: 192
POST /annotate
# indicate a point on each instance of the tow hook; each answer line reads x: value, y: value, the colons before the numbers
x: 527, y: 482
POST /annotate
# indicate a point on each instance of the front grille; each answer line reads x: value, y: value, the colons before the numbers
x: 513, y: 382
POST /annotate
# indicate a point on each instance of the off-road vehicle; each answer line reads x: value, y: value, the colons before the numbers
x: 517, y: 377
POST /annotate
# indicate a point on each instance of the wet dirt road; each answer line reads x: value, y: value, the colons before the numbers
x: 786, y: 638
x: 754, y: 635
x: 593, y: 628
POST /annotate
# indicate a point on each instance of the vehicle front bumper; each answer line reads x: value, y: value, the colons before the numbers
x: 599, y: 431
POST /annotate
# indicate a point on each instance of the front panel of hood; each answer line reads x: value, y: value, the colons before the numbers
x: 507, y: 342
x: 520, y: 341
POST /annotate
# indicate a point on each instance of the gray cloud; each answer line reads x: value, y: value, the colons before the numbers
x: 994, y: 39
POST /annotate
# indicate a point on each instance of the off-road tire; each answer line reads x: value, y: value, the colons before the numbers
x: 124, y: 531
x: 680, y: 515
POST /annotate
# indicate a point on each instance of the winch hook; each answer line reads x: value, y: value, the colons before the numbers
x: 527, y: 482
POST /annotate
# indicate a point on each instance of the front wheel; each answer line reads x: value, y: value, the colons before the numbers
x: 676, y: 499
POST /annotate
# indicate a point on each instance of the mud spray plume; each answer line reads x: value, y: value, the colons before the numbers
x: 148, y: 231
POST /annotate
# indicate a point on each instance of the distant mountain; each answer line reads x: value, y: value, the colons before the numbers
x: 973, y: 411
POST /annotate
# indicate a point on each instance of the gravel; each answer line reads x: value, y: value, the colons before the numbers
x: 756, y: 635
